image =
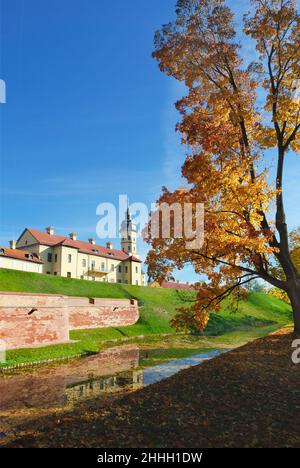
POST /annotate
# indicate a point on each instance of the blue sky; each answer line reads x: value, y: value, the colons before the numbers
x: 88, y: 114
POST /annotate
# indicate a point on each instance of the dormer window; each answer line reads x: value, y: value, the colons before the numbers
x: 29, y: 256
x: 95, y: 250
x: 2, y: 252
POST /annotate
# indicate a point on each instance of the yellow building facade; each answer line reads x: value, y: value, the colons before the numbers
x: 72, y: 258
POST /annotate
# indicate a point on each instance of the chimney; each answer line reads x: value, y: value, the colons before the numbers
x: 92, y: 241
x: 73, y: 236
x: 178, y: 281
x: 13, y: 244
x: 109, y: 245
x: 187, y: 283
x: 50, y: 230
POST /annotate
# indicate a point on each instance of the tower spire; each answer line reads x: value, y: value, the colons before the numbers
x: 128, y: 216
x: 128, y: 230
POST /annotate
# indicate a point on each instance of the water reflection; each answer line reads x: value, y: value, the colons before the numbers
x: 106, y: 385
x: 46, y: 390
x: 58, y: 386
x: 167, y: 369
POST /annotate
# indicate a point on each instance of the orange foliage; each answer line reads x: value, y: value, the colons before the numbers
x: 225, y: 132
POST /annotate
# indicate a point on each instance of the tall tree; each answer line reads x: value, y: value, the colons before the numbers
x: 295, y: 247
x: 232, y: 113
x: 294, y: 240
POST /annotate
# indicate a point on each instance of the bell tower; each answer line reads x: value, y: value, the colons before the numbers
x: 128, y: 235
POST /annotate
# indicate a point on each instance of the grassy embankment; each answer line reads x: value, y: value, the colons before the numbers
x: 157, y: 307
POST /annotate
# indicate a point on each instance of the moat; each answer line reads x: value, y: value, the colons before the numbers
x: 29, y: 394
x: 46, y: 390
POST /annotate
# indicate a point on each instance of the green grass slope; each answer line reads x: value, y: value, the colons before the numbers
x: 157, y: 307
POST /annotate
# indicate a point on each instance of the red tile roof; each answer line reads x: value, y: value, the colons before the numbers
x: 184, y: 286
x: 84, y: 247
x: 176, y: 285
x: 135, y: 259
x: 19, y: 255
x: 45, y: 238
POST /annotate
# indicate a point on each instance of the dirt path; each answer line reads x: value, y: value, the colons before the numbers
x: 249, y: 397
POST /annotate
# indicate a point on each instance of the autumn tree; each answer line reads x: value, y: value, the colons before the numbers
x: 233, y: 112
x: 295, y: 247
x: 294, y: 243
x: 294, y: 238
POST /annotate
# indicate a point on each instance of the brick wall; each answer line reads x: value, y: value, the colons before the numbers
x: 32, y: 320
x: 28, y: 320
x: 101, y: 313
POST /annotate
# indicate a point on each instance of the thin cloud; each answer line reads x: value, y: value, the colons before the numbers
x: 82, y: 183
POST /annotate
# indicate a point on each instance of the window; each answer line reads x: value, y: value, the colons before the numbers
x: 69, y: 274
x: 93, y: 264
x: 55, y: 258
x: 1, y: 251
x: 136, y: 269
x: 120, y: 268
x: 84, y: 263
x: 126, y: 269
x: 129, y: 237
x: 55, y: 273
x: 119, y: 281
x: 137, y: 283
x: 102, y: 266
x: 129, y: 248
x: 48, y: 273
x: 69, y: 258
x: 49, y: 257
x: 112, y: 268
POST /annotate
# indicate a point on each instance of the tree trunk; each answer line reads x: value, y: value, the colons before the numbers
x: 294, y: 295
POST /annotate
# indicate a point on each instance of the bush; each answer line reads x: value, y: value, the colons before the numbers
x: 279, y: 294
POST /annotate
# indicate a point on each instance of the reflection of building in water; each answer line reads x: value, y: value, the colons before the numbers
x: 45, y: 388
x: 97, y: 387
